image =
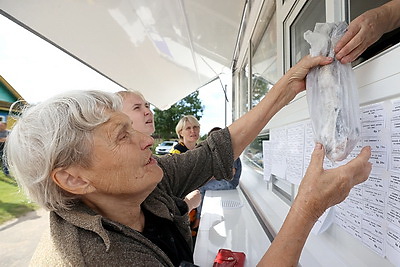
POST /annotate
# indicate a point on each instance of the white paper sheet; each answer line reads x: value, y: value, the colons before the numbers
x: 395, y: 109
x: 394, y: 180
x: 379, y: 159
x: 375, y: 227
x: 279, y: 144
x: 309, y: 144
x: 393, y: 215
x: 393, y: 245
x: 373, y: 112
x: 372, y: 128
x: 267, y: 159
x: 374, y: 242
x: 374, y: 211
x: 324, y: 221
x: 378, y: 179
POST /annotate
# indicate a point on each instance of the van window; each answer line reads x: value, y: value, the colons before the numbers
x: 309, y: 15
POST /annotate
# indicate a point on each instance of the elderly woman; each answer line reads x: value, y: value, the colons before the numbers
x: 111, y: 203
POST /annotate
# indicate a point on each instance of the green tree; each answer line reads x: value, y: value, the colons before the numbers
x: 166, y: 120
x: 260, y: 87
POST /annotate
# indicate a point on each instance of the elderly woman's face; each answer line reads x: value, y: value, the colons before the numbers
x: 138, y: 110
x: 122, y: 161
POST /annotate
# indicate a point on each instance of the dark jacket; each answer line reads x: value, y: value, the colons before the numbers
x: 179, y: 148
x: 80, y: 237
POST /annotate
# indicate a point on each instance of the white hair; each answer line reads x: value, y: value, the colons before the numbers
x: 56, y: 133
x: 127, y: 92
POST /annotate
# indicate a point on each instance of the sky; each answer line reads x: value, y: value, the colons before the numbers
x: 213, y: 99
x: 34, y: 68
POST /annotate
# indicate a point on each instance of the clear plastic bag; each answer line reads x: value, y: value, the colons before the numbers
x: 332, y: 95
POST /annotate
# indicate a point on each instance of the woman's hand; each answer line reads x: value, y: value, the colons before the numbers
x: 321, y: 189
x: 193, y: 199
x: 246, y: 128
x: 297, y: 74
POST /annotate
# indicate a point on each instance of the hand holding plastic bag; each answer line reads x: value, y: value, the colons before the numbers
x: 332, y: 95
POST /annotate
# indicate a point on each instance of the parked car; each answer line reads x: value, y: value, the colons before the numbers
x: 164, y: 147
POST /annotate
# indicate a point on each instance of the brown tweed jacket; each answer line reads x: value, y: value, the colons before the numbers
x: 80, y: 237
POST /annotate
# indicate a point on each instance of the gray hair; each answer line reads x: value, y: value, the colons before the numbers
x: 56, y: 133
x: 182, y: 124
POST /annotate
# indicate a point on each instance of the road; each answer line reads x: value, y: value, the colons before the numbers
x: 19, y: 238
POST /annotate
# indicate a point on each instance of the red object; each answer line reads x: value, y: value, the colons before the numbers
x: 228, y: 258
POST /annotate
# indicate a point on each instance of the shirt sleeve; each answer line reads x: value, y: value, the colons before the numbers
x: 188, y: 171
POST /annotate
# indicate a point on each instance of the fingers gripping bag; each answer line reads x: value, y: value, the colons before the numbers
x: 332, y: 95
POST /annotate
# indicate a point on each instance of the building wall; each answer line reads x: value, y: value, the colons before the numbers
x: 8, y: 96
x: 348, y: 241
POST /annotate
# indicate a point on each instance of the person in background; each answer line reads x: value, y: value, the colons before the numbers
x: 366, y: 29
x: 215, y: 184
x: 110, y: 201
x: 3, y: 137
x: 188, y: 132
x: 138, y: 110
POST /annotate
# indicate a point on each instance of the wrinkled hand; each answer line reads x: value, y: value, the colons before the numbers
x: 193, y: 199
x: 363, y: 31
x: 295, y: 77
x: 321, y: 189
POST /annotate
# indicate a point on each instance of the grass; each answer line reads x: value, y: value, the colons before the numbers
x: 13, y: 203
